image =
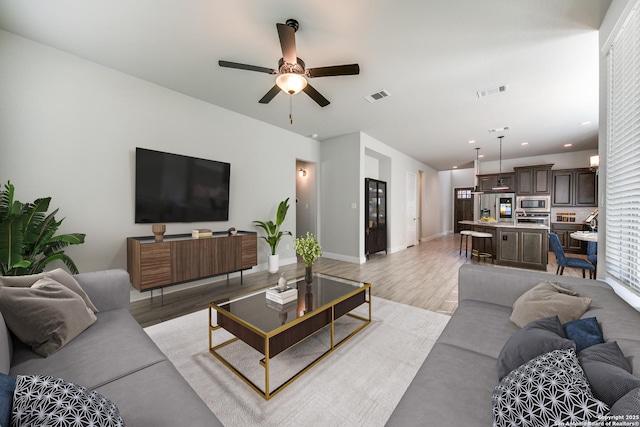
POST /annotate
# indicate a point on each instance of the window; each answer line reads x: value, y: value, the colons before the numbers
x: 463, y: 194
x: 623, y: 155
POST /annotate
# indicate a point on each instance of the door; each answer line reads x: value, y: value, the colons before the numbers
x: 412, y: 210
x: 462, y: 207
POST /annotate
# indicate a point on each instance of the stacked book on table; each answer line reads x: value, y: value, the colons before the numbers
x: 201, y: 232
x: 282, y: 297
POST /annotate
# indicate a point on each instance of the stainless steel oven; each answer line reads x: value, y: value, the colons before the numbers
x: 532, y: 204
x: 541, y: 218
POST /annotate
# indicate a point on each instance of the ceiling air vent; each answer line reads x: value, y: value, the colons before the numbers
x: 499, y: 129
x: 377, y: 96
x: 492, y: 91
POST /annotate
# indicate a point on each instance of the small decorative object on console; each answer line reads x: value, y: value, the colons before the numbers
x: 232, y: 231
x: 201, y: 232
x: 158, y: 231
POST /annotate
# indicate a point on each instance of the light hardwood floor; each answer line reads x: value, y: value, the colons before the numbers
x: 424, y: 276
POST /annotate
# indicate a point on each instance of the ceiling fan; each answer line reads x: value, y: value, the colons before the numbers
x: 292, y: 75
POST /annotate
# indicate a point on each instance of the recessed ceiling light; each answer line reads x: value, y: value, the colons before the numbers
x: 472, y: 141
x: 568, y: 145
x: 455, y: 167
x: 585, y: 123
x: 481, y: 155
x: 524, y: 143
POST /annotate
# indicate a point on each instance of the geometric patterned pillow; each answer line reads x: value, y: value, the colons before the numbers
x: 41, y: 400
x: 546, y: 391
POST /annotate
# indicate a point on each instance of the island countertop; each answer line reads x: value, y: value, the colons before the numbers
x: 502, y: 224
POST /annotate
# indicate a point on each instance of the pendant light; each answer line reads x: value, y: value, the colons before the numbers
x: 476, y: 188
x: 500, y: 186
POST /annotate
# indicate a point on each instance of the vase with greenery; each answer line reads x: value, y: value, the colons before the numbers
x: 309, y: 250
x: 274, y: 234
x: 27, y: 236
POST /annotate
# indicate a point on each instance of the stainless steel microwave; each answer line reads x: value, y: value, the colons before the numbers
x: 534, y: 203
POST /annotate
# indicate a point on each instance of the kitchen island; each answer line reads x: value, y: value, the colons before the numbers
x: 513, y: 245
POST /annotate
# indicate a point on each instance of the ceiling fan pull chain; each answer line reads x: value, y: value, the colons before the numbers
x: 291, y: 109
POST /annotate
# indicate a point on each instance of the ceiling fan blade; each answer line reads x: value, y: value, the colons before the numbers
x: 315, y: 95
x: 270, y: 95
x: 336, y: 70
x: 287, y: 36
x: 239, y: 66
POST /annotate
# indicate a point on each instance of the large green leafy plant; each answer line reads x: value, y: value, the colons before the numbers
x: 272, y: 229
x: 27, y: 236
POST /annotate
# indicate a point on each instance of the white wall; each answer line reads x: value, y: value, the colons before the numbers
x: 69, y: 128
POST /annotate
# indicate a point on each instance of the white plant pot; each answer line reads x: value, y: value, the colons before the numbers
x: 273, y: 263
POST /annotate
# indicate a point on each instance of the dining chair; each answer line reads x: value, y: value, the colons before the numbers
x: 565, y: 261
x: 592, y: 256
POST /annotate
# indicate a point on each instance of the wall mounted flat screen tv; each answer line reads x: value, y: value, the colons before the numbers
x: 176, y: 188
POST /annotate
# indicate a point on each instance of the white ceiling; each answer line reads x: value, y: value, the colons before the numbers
x: 431, y: 56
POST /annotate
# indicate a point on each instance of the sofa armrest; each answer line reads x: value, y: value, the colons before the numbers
x: 108, y: 289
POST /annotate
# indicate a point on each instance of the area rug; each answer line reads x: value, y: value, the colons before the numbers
x: 357, y: 385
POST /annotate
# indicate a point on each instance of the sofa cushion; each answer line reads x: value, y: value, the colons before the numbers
x: 629, y: 404
x: 584, y: 332
x: 114, y: 346
x: 6, y: 347
x: 608, y: 372
x: 7, y: 387
x: 536, y: 338
x: 45, y: 400
x: 548, y: 390
x: 45, y: 316
x: 548, y: 299
x: 59, y: 275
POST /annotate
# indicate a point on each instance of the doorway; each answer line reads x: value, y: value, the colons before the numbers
x: 411, y: 210
x: 462, y: 206
x: 306, y: 198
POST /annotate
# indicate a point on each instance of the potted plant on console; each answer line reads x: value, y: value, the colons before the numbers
x: 274, y: 234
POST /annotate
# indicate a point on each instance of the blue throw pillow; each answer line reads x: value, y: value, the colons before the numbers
x: 7, y: 387
x: 584, y: 332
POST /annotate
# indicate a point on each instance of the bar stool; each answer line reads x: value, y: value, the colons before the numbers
x: 478, y: 253
x: 466, y: 234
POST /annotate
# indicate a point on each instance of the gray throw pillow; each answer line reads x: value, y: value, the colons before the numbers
x: 608, y: 372
x: 548, y: 299
x: 46, y: 315
x: 538, y: 337
x: 59, y: 275
x: 629, y: 404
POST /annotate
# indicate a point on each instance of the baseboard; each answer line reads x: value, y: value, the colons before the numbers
x: 436, y: 236
x: 345, y: 258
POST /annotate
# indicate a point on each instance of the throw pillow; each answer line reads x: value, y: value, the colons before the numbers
x: 59, y: 275
x: 44, y: 400
x: 45, y: 316
x: 629, y: 404
x: 7, y: 387
x: 548, y: 299
x: 584, y: 332
x: 605, y: 368
x: 549, y: 390
x: 536, y: 338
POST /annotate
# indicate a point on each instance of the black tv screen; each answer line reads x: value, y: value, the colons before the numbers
x: 176, y: 188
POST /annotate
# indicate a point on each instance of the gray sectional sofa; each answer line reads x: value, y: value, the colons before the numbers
x: 454, y: 385
x: 116, y: 358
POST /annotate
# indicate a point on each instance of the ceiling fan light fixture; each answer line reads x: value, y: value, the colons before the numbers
x: 291, y: 83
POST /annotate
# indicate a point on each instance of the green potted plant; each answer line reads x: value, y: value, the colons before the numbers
x: 309, y: 250
x: 27, y: 236
x: 274, y: 234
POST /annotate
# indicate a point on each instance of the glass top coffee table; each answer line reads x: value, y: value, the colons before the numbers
x: 272, y: 328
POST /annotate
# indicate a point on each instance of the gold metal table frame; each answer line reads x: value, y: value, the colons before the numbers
x: 286, y: 336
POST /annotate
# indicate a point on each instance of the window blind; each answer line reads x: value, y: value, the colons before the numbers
x: 623, y: 155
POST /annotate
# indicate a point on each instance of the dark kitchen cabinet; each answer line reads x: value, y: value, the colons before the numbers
x: 375, y: 239
x: 574, y: 187
x: 489, y: 181
x: 564, y: 234
x: 533, y: 180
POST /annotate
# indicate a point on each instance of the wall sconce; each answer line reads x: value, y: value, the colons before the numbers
x: 594, y: 163
x: 302, y: 173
